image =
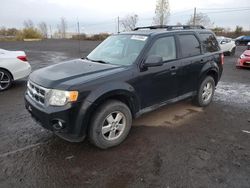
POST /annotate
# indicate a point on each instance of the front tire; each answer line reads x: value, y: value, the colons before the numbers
x: 205, y: 92
x: 5, y: 80
x: 110, y: 124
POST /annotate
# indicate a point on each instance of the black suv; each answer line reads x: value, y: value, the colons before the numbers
x: 125, y: 76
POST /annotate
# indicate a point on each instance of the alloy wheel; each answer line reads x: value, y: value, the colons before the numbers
x: 207, y: 92
x: 4, y: 80
x: 113, y: 125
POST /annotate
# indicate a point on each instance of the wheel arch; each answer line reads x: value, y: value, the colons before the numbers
x: 121, y: 95
x: 100, y: 96
x: 12, y: 77
x: 210, y: 70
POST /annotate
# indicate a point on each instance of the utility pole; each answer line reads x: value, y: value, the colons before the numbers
x: 194, y: 19
x: 78, y: 30
x: 50, y: 31
x: 118, y: 24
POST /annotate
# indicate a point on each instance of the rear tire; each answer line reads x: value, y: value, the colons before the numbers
x: 5, y: 80
x: 205, y: 92
x: 110, y: 124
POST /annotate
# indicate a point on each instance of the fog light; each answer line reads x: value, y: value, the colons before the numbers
x: 58, y: 124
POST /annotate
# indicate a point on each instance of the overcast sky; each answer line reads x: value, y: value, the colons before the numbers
x: 100, y: 15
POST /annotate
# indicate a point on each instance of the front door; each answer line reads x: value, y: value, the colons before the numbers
x: 159, y: 84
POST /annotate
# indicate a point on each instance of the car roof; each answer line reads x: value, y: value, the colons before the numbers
x: 222, y: 37
x: 156, y: 30
x: 153, y: 32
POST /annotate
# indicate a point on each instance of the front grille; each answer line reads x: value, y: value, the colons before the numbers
x: 246, y: 64
x: 37, y: 93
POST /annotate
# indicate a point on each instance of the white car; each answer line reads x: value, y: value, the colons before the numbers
x: 227, y: 45
x: 13, y: 66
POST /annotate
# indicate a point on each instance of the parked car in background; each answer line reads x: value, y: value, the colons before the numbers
x: 244, y: 60
x: 227, y: 45
x: 13, y: 66
x: 242, y: 40
x: 248, y: 46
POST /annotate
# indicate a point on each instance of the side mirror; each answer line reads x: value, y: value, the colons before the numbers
x: 153, y: 61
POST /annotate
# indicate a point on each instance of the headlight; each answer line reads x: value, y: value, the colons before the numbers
x: 242, y: 56
x: 61, y: 98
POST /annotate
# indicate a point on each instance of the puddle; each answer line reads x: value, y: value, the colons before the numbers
x: 170, y: 116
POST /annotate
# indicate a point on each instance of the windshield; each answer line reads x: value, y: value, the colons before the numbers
x: 219, y: 39
x: 119, y: 49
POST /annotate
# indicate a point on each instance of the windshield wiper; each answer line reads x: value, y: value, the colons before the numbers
x: 98, y: 61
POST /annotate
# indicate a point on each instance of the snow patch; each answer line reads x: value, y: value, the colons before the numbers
x: 233, y: 93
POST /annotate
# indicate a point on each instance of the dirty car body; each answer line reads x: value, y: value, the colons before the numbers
x: 121, y: 69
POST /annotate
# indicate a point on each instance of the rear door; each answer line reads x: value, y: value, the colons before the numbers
x: 191, y: 61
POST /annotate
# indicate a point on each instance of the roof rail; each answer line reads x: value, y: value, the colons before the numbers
x: 171, y: 27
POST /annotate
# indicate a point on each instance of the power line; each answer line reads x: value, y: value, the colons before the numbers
x: 223, y: 8
x: 227, y: 11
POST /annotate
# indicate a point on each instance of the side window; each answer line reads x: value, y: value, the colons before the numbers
x: 247, y: 38
x: 209, y: 42
x: 189, y: 45
x: 165, y: 48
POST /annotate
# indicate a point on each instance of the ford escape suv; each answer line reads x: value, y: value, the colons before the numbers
x: 127, y: 75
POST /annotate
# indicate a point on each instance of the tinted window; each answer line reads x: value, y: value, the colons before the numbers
x: 209, y: 42
x: 165, y: 48
x: 190, y: 46
x: 246, y: 38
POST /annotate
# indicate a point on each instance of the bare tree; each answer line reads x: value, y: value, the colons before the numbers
x: 44, y: 29
x: 162, y: 12
x: 200, y: 19
x: 62, y: 27
x: 28, y: 24
x: 129, y: 22
x: 238, y: 30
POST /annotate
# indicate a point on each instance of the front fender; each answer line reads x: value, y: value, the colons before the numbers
x: 99, y: 94
x: 109, y: 87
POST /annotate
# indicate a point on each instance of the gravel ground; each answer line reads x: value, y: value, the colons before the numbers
x: 176, y: 146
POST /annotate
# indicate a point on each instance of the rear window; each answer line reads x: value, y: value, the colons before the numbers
x: 209, y: 42
x: 190, y: 45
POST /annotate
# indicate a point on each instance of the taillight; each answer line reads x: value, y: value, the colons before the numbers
x: 222, y: 58
x: 22, y: 58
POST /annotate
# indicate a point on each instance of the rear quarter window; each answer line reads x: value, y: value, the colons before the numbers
x: 209, y: 42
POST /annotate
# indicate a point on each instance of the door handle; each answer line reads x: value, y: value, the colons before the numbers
x: 173, y: 68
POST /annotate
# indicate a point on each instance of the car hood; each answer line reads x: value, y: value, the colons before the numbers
x: 66, y: 74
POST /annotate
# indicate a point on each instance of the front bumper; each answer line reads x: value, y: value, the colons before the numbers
x: 243, y: 62
x: 71, y: 116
